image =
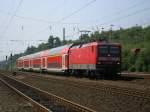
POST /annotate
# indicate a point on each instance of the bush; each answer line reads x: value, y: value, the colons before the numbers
x: 139, y: 64
x: 132, y: 68
x: 149, y: 68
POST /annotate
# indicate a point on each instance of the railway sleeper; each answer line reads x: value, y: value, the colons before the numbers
x: 53, y: 102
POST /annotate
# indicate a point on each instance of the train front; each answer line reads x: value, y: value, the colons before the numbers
x: 109, y: 58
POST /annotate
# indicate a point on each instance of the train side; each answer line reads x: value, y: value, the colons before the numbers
x: 95, y: 59
x: 52, y: 60
x: 90, y: 58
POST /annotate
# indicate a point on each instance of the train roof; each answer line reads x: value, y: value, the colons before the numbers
x: 95, y: 43
x: 54, y: 51
x: 64, y: 49
x: 60, y: 50
x: 109, y: 43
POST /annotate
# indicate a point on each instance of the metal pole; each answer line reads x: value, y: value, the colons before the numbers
x: 111, y: 31
x: 11, y: 61
x: 103, y: 38
x: 6, y: 63
x: 63, y: 34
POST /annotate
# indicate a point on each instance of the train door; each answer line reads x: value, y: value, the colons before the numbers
x: 64, y: 61
x: 44, y: 62
x: 30, y: 63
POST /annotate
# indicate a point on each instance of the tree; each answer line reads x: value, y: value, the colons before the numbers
x: 51, y: 41
x: 30, y: 50
x: 127, y: 37
x: 42, y: 46
x: 57, y: 42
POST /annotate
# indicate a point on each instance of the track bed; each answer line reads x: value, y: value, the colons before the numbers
x: 45, y: 102
x: 12, y: 102
x: 102, y: 96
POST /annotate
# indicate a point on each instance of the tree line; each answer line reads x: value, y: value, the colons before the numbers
x: 132, y: 38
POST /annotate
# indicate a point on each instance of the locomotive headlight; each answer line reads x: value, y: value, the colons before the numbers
x: 99, y: 62
x: 118, y: 63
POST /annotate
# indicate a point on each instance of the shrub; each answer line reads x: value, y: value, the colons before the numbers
x: 132, y: 68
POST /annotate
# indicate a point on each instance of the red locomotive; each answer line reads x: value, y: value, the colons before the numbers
x: 92, y: 59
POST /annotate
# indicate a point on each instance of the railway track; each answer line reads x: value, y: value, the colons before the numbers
x: 110, y: 89
x: 34, y: 104
x: 44, y: 101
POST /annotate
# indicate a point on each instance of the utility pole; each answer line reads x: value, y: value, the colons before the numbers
x: 6, y: 63
x: 136, y: 36
x: 102, y: 30
x: 111, y: 31
x: 11, y: 61
x: 63, y: 34
x: 103, y: 38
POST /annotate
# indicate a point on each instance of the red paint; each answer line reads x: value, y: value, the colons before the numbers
x: 83, y: 55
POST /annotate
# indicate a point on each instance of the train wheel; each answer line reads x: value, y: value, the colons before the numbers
x: 87, y: 72
x: 67, y: 73
x: 78, y: 73
x: 92, y: 74
x: 71, y: 72
x: 99, y: 76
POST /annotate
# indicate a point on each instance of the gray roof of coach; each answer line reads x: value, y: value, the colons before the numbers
x: 52, y: 51
x: 58, y: 50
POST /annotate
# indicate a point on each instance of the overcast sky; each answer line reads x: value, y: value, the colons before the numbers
x: 29, y: 22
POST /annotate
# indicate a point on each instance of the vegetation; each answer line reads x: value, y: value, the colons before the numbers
x: 132, y: 38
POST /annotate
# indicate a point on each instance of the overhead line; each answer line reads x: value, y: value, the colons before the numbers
x: 36, y: 19
x: 7, y: 26
x: 78, y: 10
x: 56, y: 22
x: 42, y: 20
x: 119, y: 18
x: 71, y: 14
x: 128, y: 8
x: 123, y: 10
x: 126, y: 16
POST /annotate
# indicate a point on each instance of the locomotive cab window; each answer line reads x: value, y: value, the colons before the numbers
x: 107, y: 49
x: 114, y: 50
x: 103, y: 50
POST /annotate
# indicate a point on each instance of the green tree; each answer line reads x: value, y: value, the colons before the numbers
x: 57, y: 42
x: 51, y: 41
x: 30, y: 50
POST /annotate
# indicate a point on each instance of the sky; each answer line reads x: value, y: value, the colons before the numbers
x: 30, y: 22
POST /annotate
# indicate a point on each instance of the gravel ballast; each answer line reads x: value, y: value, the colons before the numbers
x: 99, y: 100
x: 12, y: 102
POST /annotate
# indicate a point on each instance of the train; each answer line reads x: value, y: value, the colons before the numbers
x: 93, y: 59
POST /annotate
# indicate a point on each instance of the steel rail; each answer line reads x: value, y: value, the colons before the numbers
x: 104, y: 87
x: 49, y: 101
x: 39, y: 107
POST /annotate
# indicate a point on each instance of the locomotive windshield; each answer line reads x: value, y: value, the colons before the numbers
x: 108, y: 49
x: 103, y: 49
x: 114, y: 50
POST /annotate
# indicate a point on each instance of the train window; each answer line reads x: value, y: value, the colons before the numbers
x: 114, y: 50
x: 103, y: 49
x: 54, y: 64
